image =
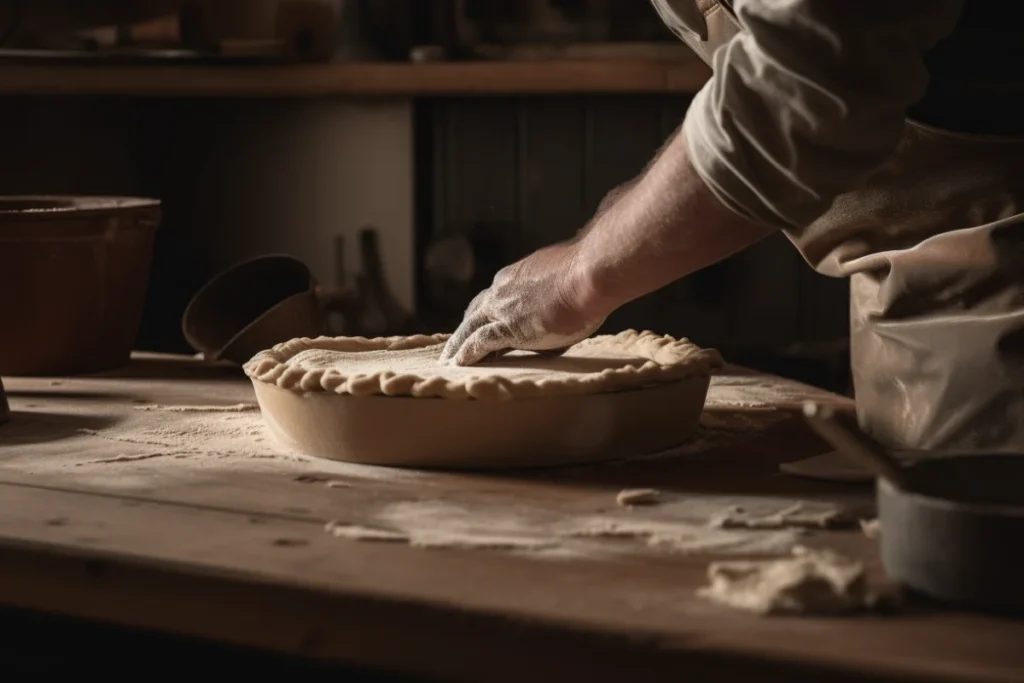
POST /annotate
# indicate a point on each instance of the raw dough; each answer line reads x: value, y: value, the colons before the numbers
x: 682, y: 537
x: 795, y: 516
x: 809, y: 582
x: 871, y: 528
x: 453, y: 532
x: 354, y: 532
x: 631, y: 497
x: 409, y: 366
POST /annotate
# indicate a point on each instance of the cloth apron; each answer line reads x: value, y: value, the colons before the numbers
x: 933, y: 244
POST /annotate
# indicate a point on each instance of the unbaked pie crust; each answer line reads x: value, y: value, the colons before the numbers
x: 408, y: 366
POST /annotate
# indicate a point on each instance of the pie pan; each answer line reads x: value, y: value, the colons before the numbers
x: 400, y: 420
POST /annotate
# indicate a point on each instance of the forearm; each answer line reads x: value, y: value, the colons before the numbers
x: 664, y: 226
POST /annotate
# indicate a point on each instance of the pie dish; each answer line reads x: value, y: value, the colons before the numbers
x: 389, y: 401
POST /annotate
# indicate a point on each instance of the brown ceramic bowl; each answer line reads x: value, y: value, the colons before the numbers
x: 73, y: 276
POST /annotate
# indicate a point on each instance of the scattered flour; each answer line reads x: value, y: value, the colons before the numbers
x: 732, y: 391
x: 194, y: 433
x: 442, y: 540
x: 433, y: 524
x: 684, y: 537
x: 229, y: 436
x: 125, y: 458
x: 237, y: 408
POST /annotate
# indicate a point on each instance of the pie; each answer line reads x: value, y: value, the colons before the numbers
x: 390, y: 401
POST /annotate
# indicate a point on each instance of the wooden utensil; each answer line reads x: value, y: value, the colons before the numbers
x: 846, y: 437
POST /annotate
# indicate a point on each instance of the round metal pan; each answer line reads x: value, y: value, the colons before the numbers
x: 952, y: 523
x: 955, y: 532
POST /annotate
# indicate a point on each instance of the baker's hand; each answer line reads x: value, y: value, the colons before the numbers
x: 537, y: 304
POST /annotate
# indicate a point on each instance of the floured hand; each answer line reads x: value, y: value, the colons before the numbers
x: 533, y: 305
x: 663, y: 226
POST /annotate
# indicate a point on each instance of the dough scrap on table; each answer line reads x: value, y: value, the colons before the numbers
x: 872, y: 528
x: 631, y: 497
x: 811, y: 582
x: 795, y: 516
x: 236, y: 408
x: 355, y: 532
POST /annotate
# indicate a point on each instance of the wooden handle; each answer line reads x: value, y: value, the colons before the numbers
x: 847, y: 438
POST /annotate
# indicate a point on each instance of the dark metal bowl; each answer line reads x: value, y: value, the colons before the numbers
x: 956, y: 533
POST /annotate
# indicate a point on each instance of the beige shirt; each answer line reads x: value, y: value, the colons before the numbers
x: 808, y: 99
x: 803, y: 127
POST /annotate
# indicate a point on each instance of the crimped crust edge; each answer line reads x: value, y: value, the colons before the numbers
x: 669, y: 360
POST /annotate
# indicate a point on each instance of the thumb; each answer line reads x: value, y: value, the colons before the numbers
x: 491, y: 338
x: 465, y: 330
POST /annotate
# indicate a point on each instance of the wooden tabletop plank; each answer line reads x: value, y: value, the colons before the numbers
x: 190, y: 570
x: 103, y: 514
x: 358, y: 79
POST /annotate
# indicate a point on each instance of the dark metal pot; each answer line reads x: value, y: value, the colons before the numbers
x: 956, y: 530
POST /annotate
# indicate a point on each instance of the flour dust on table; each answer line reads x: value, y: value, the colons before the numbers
x: 684, y: 524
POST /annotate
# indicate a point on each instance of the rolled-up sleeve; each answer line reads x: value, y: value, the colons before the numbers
x: 809, y: 99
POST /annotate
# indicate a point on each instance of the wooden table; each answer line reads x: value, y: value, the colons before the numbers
x: 119, y: 506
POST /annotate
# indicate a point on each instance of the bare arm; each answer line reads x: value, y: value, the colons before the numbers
x: 803, y: 106
x: 658, y: 228
x: 664, y: 226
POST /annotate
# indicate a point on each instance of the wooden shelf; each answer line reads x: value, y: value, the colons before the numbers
x: 377, y: 80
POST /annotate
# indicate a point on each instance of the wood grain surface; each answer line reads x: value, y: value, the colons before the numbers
x: 230, y: 545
